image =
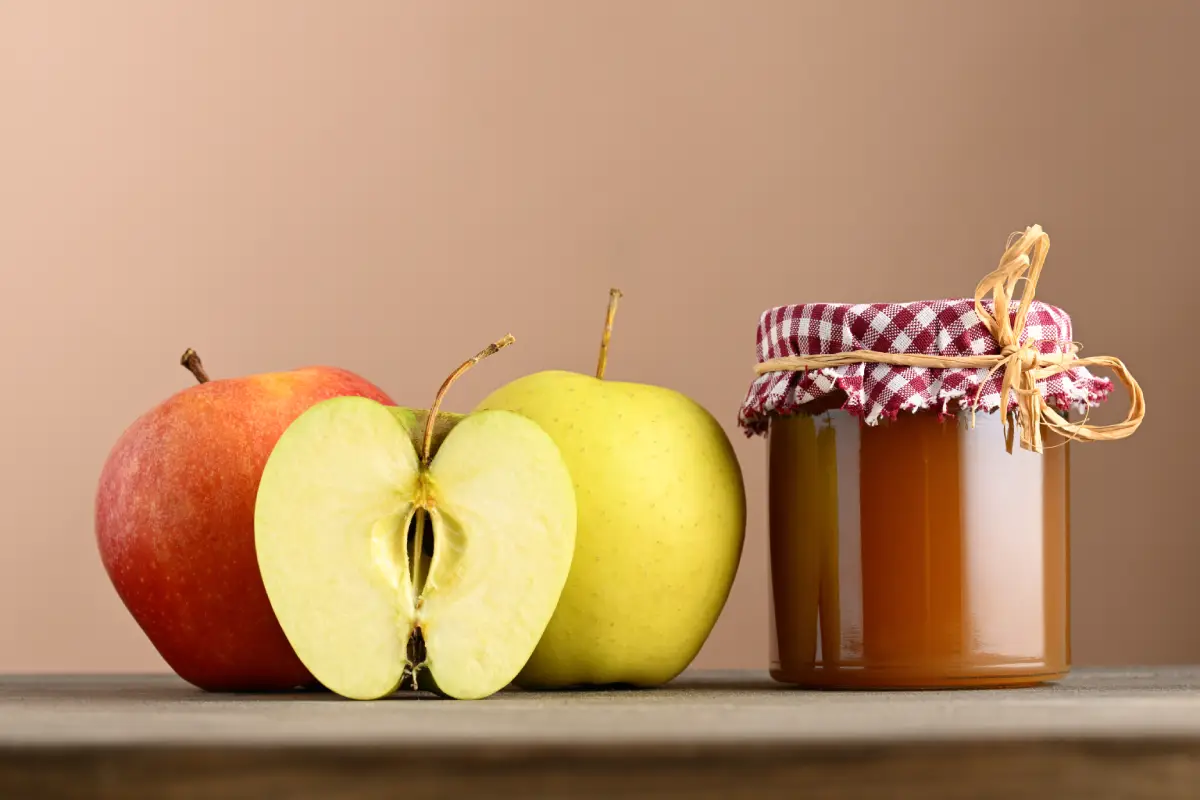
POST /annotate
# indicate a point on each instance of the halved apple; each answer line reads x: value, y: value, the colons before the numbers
x: 400, y: 544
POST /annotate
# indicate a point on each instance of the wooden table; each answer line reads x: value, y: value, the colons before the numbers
x: 1100, y: 734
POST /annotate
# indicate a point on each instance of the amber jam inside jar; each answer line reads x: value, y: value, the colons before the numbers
x: 916, y: 553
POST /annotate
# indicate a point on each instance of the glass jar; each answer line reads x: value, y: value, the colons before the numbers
x: 910, y: 548
x: 916, y: 552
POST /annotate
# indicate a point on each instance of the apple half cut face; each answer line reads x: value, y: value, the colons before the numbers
x: 382, y: 569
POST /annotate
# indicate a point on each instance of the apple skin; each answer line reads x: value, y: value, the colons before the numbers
x: 662, y: 517
x: 174, y: 522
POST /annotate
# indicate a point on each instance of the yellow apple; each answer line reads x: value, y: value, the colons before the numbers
x: 661, y: 521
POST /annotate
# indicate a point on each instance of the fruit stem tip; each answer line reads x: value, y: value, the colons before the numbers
x: 494, y: 348
x: 191, y: 360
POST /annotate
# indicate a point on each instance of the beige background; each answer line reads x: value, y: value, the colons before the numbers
x: 387, y: 186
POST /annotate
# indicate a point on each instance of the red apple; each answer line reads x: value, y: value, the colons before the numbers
x: 175, y: 523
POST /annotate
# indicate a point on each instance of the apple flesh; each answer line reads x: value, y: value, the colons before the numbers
x: 662, y: 513
x: 383, y: 565
x: 174, y: 522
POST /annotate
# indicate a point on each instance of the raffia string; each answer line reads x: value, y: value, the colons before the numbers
x: 1023, y: 365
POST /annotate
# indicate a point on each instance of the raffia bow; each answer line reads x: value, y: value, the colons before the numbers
x: 1023, y: 364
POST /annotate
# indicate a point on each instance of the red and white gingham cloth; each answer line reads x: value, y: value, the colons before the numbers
x: 933, y: 327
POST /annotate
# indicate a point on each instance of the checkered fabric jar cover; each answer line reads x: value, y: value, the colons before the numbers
x: 874, y: 391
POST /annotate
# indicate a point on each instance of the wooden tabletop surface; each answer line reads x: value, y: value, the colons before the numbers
x: 1126, y: 733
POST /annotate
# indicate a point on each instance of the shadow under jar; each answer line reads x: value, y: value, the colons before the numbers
x: 916, y: 552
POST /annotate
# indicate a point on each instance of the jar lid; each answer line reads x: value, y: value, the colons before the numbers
x: 875, y: 391
x: 945, y: 355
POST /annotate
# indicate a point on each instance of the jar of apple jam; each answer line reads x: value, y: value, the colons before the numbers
x: 912, y: 543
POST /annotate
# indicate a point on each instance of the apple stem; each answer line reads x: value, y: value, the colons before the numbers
x: 490, y: 350
x: 613, y: 296
x: 192, y: 361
